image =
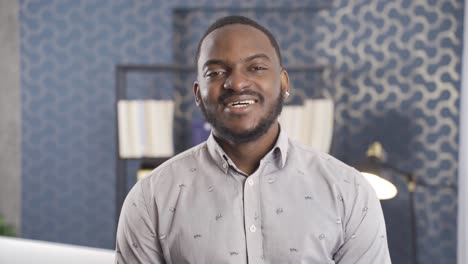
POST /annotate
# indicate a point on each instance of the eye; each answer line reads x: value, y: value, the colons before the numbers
x: 257, y: 68
x: 214, y: 73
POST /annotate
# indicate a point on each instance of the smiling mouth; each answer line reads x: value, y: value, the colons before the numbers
x: 243, y: 103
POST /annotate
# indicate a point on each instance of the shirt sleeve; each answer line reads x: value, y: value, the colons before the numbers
x: 137, y: 240
x: 365, y: 238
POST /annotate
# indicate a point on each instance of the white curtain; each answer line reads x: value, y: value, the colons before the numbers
x: 462, y: 247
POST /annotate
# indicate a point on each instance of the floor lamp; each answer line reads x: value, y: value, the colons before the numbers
x: 372, y: 168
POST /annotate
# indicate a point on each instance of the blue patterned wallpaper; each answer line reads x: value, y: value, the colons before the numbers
x: 393, y: 69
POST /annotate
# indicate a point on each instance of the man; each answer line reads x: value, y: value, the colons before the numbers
x: 249, y: 194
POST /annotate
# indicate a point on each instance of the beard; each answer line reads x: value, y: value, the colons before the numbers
x: 249, y: 135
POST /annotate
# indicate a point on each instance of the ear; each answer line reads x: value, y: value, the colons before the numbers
x: 284, y: 81
x: 196, y: 92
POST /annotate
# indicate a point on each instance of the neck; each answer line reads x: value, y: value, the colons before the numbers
x: 247, y: 155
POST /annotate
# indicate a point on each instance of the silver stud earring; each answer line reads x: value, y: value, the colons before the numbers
x: 287, y: 94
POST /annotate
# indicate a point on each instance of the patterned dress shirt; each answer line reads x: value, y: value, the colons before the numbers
x: 299, y: 206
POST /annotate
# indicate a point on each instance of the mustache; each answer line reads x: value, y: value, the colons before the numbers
x: 229, y: 93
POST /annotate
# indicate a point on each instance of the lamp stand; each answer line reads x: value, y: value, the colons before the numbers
x: 414, y: 239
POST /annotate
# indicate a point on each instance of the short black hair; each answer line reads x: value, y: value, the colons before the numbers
x: 231, y: 20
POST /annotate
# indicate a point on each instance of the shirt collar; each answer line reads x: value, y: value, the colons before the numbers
x: 281, y: 148
x: 277, y: 154
x: 217, y: 153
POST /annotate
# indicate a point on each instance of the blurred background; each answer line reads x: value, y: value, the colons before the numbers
x: 391, y: 68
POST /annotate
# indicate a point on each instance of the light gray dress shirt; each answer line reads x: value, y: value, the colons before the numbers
x: 299, y: 206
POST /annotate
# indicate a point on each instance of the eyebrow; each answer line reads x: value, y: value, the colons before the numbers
x: 256, y: 56
x: 224, y: 64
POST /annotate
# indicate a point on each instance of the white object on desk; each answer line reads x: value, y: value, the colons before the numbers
x: 26, y: 251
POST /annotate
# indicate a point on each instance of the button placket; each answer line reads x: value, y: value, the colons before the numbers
x: 251, y: 216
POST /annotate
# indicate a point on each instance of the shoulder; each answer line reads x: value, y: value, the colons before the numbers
x: 172, y: 171
x: 178, y: 163
x: 327, y: 167
x: 314, y: 158
x: 335, y: 180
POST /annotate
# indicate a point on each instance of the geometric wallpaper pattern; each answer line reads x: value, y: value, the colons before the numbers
x: 397, y: 75
x: 392, y: 68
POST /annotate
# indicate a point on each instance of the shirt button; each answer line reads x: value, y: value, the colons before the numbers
x: 224, y: 165
x: 253, y: 228
x: 250, y: 181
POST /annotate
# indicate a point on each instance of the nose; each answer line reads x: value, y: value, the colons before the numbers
x: 236, y: 81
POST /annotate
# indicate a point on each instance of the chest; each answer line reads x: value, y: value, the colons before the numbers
x: 260, y: 220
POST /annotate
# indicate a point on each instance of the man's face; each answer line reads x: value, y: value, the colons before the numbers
x: 240, y: 83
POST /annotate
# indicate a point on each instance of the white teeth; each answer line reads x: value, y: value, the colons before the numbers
x: 242, y: 103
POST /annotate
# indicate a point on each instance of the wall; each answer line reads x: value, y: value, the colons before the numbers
x: 10, y: 117
x: 395, y: 72
x: 398, y: 70
x: 462, y: 253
